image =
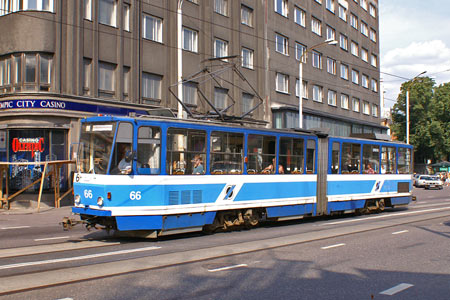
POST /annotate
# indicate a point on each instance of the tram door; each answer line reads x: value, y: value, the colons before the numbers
x: 322, y: 170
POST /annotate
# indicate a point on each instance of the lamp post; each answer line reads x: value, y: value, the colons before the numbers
x: 300, y: 77
x: 407, y: 106
x: 180, y: 58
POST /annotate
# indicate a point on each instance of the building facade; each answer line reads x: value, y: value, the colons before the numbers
x: 64, y: 60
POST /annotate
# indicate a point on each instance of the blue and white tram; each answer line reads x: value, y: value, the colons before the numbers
x: 250, y: 175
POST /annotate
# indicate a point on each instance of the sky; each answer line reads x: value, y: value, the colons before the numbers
x: 414, y: 37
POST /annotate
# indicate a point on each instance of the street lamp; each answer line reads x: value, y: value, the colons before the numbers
x: 407, y: 106
x: 180, y: 58
x: 300, y: 79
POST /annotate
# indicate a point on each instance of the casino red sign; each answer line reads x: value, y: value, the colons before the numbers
x: 28, y: 145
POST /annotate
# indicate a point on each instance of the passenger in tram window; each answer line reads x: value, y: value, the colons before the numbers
x: 271, y: 168
x: 125, y: 164
x: 198, y: 165
x: 369, y: 169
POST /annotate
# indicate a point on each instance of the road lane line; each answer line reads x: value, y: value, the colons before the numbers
x: 228, y: 268
x: 14, y: 227
x: 52, y: 238
x: 386, y: 216
x: 332, y: 246
x: 396, y: 289
x: 58, y: 260
x: 398, y: 232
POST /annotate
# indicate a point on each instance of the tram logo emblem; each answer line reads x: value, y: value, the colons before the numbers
x: 229, y: 192
x: 377, y: 186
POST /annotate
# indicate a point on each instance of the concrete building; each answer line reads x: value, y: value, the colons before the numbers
x: 63, y: 60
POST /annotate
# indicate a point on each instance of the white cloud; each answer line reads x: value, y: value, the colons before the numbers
x: 431, y: 56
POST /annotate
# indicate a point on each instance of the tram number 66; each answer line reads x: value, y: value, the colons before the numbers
x: 88, y: 194
x: 135, y: 195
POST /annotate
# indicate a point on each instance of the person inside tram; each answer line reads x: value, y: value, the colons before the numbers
x: 369, y: 169
x: 125, y: 163
x: 198, y: 165
x: 271, y: 168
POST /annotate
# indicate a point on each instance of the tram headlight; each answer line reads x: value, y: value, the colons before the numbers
x: 100, y: 201
x: 77, y: 199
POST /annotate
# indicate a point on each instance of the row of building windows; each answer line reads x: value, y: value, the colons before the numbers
x: 10, y: 6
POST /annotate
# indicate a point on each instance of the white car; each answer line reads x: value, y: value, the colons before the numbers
x: 430, y: 181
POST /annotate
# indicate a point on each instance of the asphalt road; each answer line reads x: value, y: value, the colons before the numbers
x: 399, y: 254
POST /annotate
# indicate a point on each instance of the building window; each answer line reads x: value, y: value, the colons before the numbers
x: 151, y: 86
x: 106, y: 79
x: 299, y: 50
x: 354, y: 21
x: 282, y: 83
x: 374, y: 85
x: 354, y: 48
x: 221, y: 7
x: 247, y: 102
x: 45, y: 70
x: 190, y: 40
x: 364, y: 55
x: 316, y: 26
x: 317, y: 93
x: 5, y: 72
x: 190, y: 93
x: 343, y: 42
x: 126, y: 83
x: 10, y: 6
x: 304, y: 89
x: 281, y: 7
x: 220, y: 97
x: 364, y: 29
x: 316, y: 59
x: 365, y: 81
x: 87, y: 9
x: 247, y: 58
x: 300, y: 16
x: 343, y: 13
x: 107, y: 12
x: 331, y: 66
x: 246, y: 15
x: 126, y: 17
x: 373, y: 60
x: 373, y: 35
x: 331, y: 33
x: 30, y: 68
x: 344, y: 71
x: 330, y: 5
x: 220, y: 48
x: 318, y: 1
x: 355, y: 77
x: 281, y: 44
x: 331, y: 98
x: 374, y: 110
x: 373, y: 10
x: 152, y: 28
x: 87, y: 65
x: 364, y: 4
x: 17, y: 69
x: 355, y: 104
x: 366, y: 108
x: 344, y: 101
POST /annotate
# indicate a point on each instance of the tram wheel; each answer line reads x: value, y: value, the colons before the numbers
x: 381, y: 205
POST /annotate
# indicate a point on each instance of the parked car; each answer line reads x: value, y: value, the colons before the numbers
x: 430, y: 181
x: 415, y: 177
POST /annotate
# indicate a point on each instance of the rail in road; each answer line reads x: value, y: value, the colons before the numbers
x: 23, y: 269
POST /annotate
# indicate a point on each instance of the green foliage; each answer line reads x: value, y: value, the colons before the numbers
x: 429, y: 111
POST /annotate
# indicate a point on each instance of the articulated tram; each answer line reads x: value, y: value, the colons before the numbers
x: 248, y: 175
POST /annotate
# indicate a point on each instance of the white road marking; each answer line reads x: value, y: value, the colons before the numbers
x: 228, y: 268
x: 396, y: 289
x: 398, y: 232
x: 65, y: 299
x: 332, y: 246
x: 14, y: 227
x: 52, y: 238
x: 387, y: 216
x: 52, y: 261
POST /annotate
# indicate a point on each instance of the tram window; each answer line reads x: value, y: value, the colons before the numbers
x: 291, y: 156
x: 226, y: 153
x: 183, y: 145
x: 261, y: 152
x: 388, y: 160
x: 149, y: 150
x: 351, y: 159
x: 371, y: 159
x: 310, y: 156
x: 404, y: 160
x: 123, y: 144
x: 335, y: 158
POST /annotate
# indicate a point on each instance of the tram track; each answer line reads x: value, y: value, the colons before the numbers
x: 30, y: 280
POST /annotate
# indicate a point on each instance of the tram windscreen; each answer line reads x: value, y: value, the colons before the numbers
x: 95, y: 147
